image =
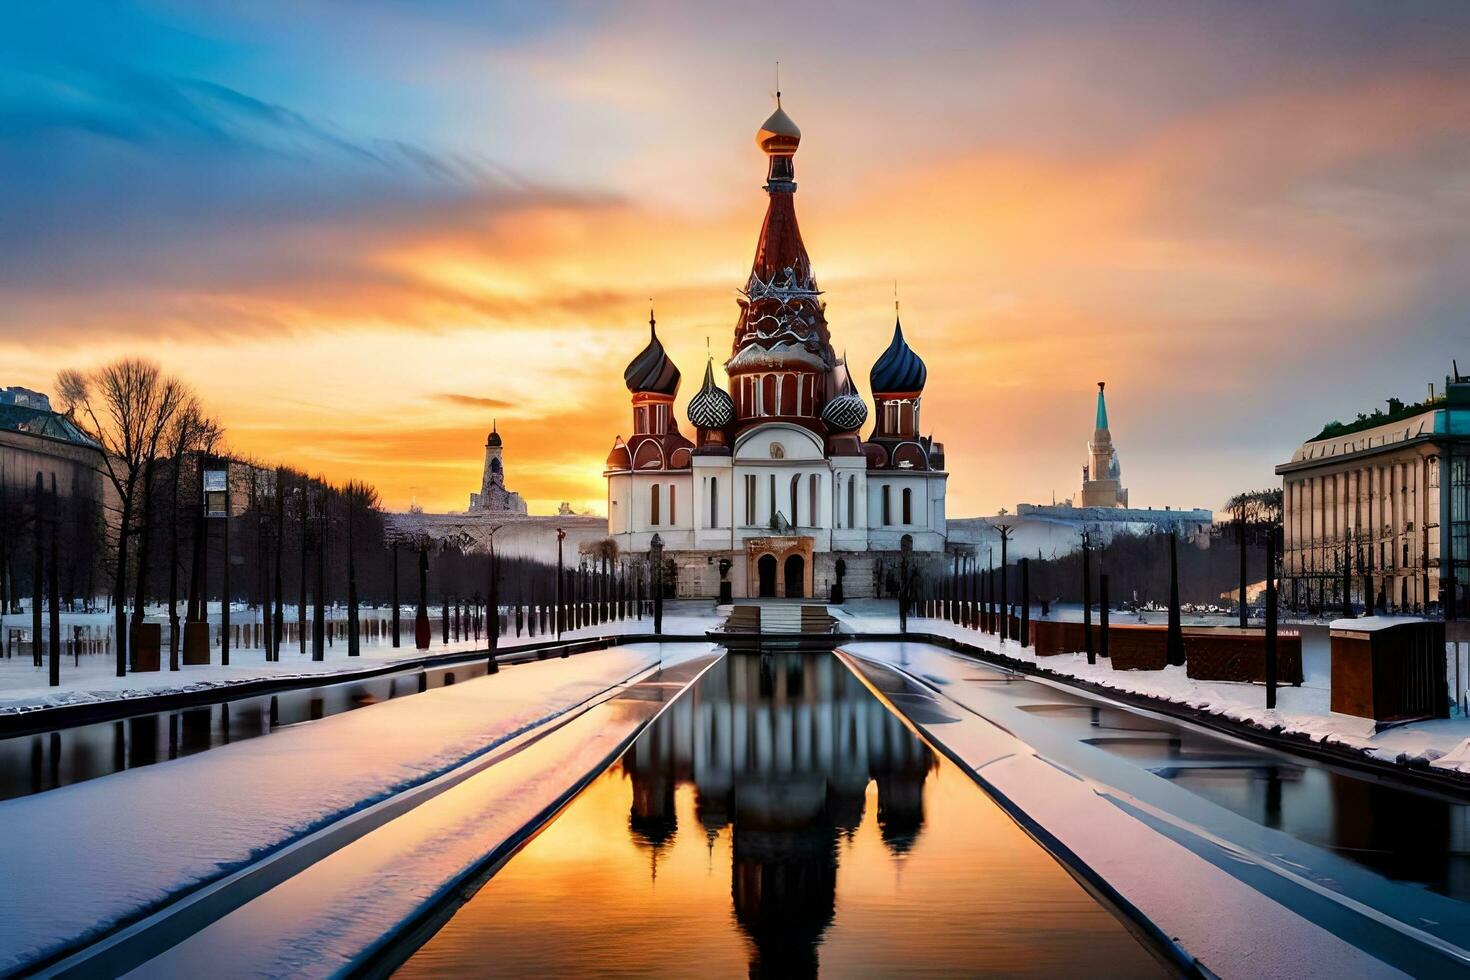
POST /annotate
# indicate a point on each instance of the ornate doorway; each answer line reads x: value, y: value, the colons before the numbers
x: 766, y: 568
x: 795, y: 576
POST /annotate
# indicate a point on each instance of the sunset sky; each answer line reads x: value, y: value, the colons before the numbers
x: 363, y: 230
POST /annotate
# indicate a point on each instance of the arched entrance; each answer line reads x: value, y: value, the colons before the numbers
x: 795, y: 576
x: 766, y: 568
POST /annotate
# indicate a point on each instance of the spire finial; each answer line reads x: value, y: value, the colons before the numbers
x: 895, y: 296
x: 493, y: 425
x: 652, y: 323
x: 778, y: 84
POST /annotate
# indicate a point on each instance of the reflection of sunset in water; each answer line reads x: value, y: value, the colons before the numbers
x: 775, y: 820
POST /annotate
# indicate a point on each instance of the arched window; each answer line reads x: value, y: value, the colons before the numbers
x: 653, y: 505
x: 851, y: 502
x: 714, y: 502
x: 814, y: 486
x: 672, y: 518
x: 795, y: 485
x: 908, y: 505
x: 887, y: 506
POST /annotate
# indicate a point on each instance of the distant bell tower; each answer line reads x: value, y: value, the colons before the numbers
x: 494, y: 467
x: 493, y: 496
x: 1101, y: 478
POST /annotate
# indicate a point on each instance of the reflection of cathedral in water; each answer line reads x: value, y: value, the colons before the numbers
x: 780, y: 749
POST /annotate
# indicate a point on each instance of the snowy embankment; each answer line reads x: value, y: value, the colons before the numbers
x: 24, y: 687
x: 83, y: 858
x: 1306, y: 711
x: 1235, y: 897
x: 336, y: 914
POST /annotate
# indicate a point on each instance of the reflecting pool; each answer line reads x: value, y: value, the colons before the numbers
x: 778, y: 820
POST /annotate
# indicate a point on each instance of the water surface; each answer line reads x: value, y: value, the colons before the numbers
x: 778, y: 820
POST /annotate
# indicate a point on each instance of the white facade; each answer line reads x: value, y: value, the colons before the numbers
x: 777, y: 477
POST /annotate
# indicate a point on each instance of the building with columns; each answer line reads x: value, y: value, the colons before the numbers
x: 778, y: 481
x: 1384, y: 504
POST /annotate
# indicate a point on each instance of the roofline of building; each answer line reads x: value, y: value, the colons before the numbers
x: 1387, y: 447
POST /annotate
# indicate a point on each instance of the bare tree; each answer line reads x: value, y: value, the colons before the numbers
x: 126, y: 407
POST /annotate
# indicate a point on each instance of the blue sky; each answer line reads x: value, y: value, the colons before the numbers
x: 393, y: 219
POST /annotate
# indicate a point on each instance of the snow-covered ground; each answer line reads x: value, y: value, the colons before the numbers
x: 93, y: 677
x: 1245, y: 898
x: 1306, y: 710
x: 326, y: 919
x: 81, y: 858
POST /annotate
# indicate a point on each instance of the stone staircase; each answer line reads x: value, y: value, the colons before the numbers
x: 787, y: 618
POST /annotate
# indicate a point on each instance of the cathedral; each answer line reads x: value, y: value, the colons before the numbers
x: 779, y: 493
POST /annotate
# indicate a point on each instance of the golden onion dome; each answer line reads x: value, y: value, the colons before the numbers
x: 778, y: 134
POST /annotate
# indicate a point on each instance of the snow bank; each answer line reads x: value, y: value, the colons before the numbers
x: 1304, y: 710
x: 82, y: 858
x: 24, y: 687
x: 319, y: 922
x: 1126, y: 829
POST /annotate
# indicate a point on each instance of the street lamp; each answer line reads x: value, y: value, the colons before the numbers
x: 656, y: 554
x: 906, y: 548
x: 561, y: 536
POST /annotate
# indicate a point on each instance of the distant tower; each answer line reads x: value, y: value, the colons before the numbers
x: 493, y: 497
x: 1101, y: 478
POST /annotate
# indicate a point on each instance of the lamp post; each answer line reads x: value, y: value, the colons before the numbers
x: 561, y: 536
x: 906, y: 548
x: 492, y: 617
x: 656, y: 554
x: 421, y: 614
x: 1087, y: 598
x: 1005, y: 583
x: 1270, y: 619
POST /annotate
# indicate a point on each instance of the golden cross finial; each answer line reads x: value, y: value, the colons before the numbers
x: 778, y: 84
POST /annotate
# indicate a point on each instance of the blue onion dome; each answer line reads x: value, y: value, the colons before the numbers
x: 652, y: 370
x: 711, y: 407
x: 899, y: 370
x: 845, y: 411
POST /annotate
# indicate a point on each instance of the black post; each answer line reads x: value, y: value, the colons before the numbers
x: 492, y: 610
x: 319, y: 599
x: 1270, y: 621
x: 560, y: 537
x: 53, y: 586
x: 1025, y: 602
x: 354, y: 647
x: 954, y: 590
x: 1087, y: 599
x: 1005, y: 582
x: 1347, y: 586
x: 279, y: 618
x: 421, y: 614
x: 906, y: 546
x: 1174, y: 644
x: 397, y: 618
x: 38, y: 580
x: 224, y: 601
x: 1102, y: 614
x: 656, y: 552
x: 1240, y: 537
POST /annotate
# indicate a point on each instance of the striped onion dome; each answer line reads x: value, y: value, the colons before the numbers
x: 846, y: 411
x: 711, y: 407
x: 899, y: 370
x: 652, y: 370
